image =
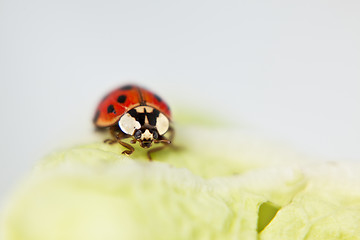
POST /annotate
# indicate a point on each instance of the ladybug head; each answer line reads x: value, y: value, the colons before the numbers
x: 146, y: 136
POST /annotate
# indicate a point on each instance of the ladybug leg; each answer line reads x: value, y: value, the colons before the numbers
x: 118, y: 136
x: 128, y: 146
x: 110, y: 141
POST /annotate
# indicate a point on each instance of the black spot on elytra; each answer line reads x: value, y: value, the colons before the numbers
x: 158, y: 98
x: 96, y: 116
x: 111, y: 109
x: 127, y: 87
x: 121, y: 99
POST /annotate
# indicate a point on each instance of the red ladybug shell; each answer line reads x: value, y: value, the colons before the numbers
x: 123, y: 99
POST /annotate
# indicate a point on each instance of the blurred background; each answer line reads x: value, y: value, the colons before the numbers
x: 290, y: 70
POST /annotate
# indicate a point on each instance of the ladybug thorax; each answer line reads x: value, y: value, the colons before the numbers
x: 145, y: 123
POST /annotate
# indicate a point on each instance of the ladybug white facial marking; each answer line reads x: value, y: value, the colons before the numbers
x: 148, y: 116
x: 162, y: 124
x: 143, y: 109
x: 145, y: 124
x: 128, y: 124
x: 147, y: 135
x: 154, y: 118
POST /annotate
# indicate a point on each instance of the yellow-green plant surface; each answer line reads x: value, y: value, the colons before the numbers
x: 218, y: 183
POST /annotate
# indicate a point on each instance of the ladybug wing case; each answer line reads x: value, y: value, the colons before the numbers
x: 121, y: 100
x: 115, y: 104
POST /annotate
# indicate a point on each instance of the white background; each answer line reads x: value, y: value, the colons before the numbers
x: 290, y: 69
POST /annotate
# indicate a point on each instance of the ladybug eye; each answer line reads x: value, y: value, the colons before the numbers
x: 155, y: 134
x: 137, y: 134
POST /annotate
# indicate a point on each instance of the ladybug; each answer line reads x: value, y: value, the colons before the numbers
x: 134, y: 112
